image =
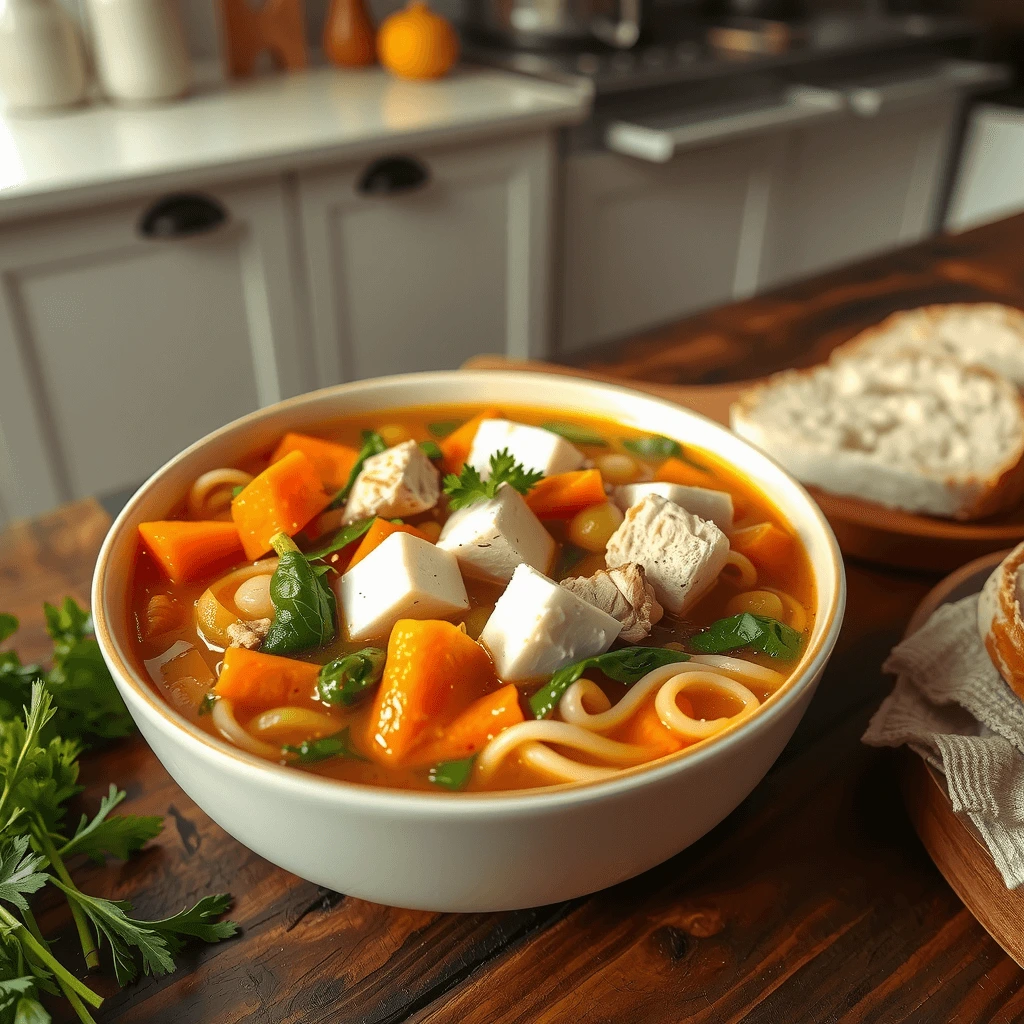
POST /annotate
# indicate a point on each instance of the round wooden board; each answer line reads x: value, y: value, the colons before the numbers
x: 864, y: 529
x: 952, y: 843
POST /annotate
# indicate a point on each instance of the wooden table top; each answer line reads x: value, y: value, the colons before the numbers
x: 813, y: 901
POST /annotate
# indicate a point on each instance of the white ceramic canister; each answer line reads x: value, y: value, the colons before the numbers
x: 140, y: 48
x: 42, y: 60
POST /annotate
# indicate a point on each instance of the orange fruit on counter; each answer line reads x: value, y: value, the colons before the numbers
x: 417, y: 43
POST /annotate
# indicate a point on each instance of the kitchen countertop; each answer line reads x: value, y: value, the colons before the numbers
x: 813, y: 901
x: 263, y: 125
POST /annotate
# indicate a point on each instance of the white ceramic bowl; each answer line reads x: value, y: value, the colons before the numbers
x: 465, y: 852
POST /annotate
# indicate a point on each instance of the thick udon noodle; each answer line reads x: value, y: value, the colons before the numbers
x: 582, y: 730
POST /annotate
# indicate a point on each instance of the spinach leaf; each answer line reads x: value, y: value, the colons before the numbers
x: 444, y: 427
x: 348, y: 679
x: 338, y: 744
x: 304, y: 604
x: 452, y: 774
x: 576, y: 434
x: 344, y: 537
x: 626, y: 665
x: 373, y: 444
x: 658, y: 447
x: 431, y: 450
x: 758, y: 632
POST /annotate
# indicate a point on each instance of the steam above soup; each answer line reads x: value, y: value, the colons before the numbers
x: 459, y: 598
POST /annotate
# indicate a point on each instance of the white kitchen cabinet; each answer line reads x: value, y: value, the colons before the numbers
x: 448, y: 258
x: 645, y: 243
x: 859, y: 186
x: 119, y: 350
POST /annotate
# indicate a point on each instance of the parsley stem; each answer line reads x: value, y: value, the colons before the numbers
x: 85, y: 934
x: 39, y: 951
x: 282, y: 543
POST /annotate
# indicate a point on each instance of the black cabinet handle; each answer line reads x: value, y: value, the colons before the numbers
x: 391, y: 175
x: 181, y: 215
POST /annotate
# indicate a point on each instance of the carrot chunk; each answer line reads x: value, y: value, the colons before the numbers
x: 645, y: 729
x: 675, y: 471
x: 184, y: 549
x: 261, y: 681
x: 378, y: 532
x: 562, y: 495
x: 333, y: 462
x: 765, y: 545
x: 455, y: 447
x: 470, y: 731
x: 282, y: 499
x: 433, y: 671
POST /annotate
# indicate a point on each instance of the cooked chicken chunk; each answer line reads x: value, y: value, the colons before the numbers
x: 248, y: 633
x: 399, y: 482
x: 625, y: 594
x: 681, y: 553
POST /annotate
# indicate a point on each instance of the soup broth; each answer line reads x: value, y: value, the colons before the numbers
x: 196, y: 613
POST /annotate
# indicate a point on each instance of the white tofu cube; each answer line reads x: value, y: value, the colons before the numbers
x: 405, y: 577
x: 538, y: 627
x: 399, y: 482
x: 536, y: 448
x: 715, y: 506
x: 681, y: 553
x: 491, y: 538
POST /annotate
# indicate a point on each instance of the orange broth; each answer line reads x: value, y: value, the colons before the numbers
x: 752, y: 506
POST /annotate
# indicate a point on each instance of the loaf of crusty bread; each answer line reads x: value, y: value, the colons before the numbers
x: 999, y: 619
x: 906, y: 429
x: 984, y: 334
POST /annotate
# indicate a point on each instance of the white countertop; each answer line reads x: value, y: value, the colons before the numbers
x: 268, y: 124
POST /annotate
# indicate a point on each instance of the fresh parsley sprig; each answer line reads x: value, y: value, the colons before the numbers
x: 467, y: 487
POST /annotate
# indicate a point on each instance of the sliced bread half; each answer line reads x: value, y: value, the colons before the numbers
x: 984, y: 334
x: 905, y: 429
x: 999, y: 619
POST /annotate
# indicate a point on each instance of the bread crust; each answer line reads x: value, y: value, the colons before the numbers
x: 1004, y: 637
x: 973, y: 496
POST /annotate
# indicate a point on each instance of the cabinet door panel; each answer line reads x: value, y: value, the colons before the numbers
x: 646, y: 243
x: 126, y: 350
x: 859, y: 186
x: 425, y: 279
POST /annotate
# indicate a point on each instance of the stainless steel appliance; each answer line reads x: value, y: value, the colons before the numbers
x: 614, y: 23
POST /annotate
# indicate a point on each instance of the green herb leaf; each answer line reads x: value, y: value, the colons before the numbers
x: 576, y: 434
x: 88, y: 706
x: 758, y: 632
x: 31, y: 1011
x: 345, y: 536
x: 118, y: 836
x: 20, y: 873
x: 373, y: 444
x: 206, y: 704
x: 8, y: 626
x: 338, y: 744
x: 348, y: 679
x: 568, y: 556
x: 657, y: 447
x: 443, y: 428
x: 468, y: 487
x: 452, y: 774
x: 198, y: 922
x: 304, y: 604
x: 626, y: 665
x: 431, y: 450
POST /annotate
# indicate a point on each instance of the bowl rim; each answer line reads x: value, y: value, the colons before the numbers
x: 286, y: 777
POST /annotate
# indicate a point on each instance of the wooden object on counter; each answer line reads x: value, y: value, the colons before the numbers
x: 278, y: 26
x: 953, y: 844
x: 349, y: 35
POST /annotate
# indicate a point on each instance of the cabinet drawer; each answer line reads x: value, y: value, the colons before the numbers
x: 128, y: 332
x: 417, y: 261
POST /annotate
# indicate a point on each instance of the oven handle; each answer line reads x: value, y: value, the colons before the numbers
x: 949, y: 76
x: 800, y: 104
x: 621, y: 34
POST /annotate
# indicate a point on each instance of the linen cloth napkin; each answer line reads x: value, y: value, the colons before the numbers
x: 952, y: 707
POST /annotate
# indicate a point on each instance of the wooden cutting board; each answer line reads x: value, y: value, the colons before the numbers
x: 863, y: 528
x: 952, y: 843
